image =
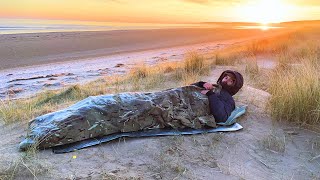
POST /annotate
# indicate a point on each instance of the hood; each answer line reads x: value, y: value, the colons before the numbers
x: 238, y: 84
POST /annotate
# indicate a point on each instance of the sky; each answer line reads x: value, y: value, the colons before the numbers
x: 163, y: 11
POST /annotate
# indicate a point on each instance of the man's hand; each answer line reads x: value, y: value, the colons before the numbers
x: 204, y: 91
x: 208, y: 86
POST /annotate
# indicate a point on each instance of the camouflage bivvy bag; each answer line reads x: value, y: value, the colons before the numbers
x: 97, y: 116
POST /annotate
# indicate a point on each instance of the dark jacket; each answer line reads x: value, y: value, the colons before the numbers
x: 222, y: 104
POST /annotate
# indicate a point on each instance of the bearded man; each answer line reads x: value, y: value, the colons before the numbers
x: 220, y: 98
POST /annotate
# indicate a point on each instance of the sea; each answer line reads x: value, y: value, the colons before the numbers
x: 18, y: 26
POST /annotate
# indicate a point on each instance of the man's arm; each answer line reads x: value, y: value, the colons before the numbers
x: 199, y: 84
x: 203, y: 84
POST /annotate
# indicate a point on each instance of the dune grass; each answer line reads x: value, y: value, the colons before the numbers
x: 295, y: 83
x: 145, y: 78
x: 192, y: 68
x: 236, y: 53
x: 296, y: 93
x: 46, y: 102
x: 251, y: 66
x: 245, y: 56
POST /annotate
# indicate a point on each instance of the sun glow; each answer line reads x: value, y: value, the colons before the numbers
x: 265, y: 11
x: 264, y: 27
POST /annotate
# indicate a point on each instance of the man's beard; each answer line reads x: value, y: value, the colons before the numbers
x: 226, y: 87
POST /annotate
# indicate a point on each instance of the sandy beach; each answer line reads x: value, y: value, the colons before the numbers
x: 40, y: 48
x: 31, y: 63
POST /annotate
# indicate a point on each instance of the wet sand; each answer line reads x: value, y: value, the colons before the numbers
x: 19, y: 50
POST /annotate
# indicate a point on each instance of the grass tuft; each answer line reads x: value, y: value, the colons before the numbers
x: 226, y: 58
x: 251, y: 67
x: 70, y: 93
x: 146, y: 78
x: 27, y: 165
x: 194, y: 64
x: 274, y: 143
x: 139, y: 72
x: 193, y: 67
x: 295, y: 92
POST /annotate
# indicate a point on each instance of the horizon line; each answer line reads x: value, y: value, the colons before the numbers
x: 158, y: 22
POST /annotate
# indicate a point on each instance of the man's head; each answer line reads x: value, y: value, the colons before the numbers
x: 228, y: 79
x: 231, y: 81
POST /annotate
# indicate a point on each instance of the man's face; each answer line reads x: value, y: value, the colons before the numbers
x: 229, y: 80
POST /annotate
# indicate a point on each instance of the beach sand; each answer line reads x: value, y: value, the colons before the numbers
x: 40, y: 48
x: 31, y: 63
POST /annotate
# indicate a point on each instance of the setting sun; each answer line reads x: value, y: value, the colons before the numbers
x: 265, y: 11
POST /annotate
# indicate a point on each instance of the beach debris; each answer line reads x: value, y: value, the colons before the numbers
x: 9, y: 74
x: 49, y: 84
x: 52, y: 78
x: 94, y: 74
x: 39, y: 77
x: 120, y: 71
x: 162, y: 59
x: 36, y: 77
x: 66, y: 74
x: 18, y: 84
x: 14, y: 91
x: 119, y: 65
x: 103, y: 71
x: 71, y: 79
x: 98, y: 116
x: 14, y: 85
